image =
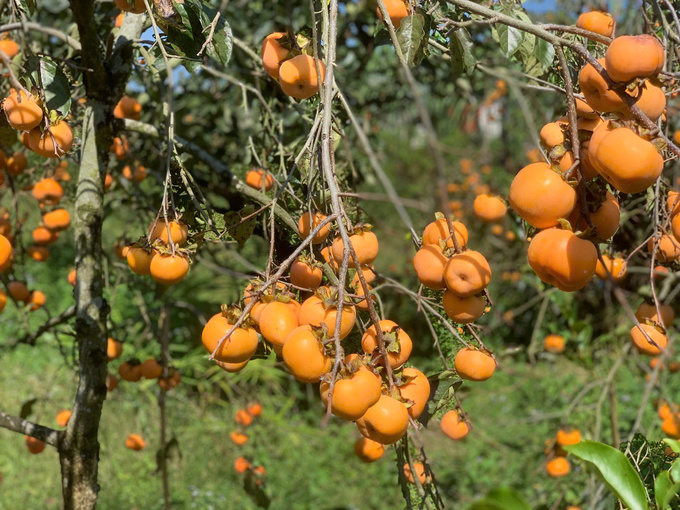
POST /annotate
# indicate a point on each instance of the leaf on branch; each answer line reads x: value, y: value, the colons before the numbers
x: 27, y: 408
x: 545, y: 52
x: 616, y: 471
x: 462, y: 58
x: 46, y: 74
x: 238, y: 228
x: 509, y: 39
x: 412, y: 36
x: 664, y: 490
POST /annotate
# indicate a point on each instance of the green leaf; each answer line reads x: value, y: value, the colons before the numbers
x: 44, y: 73
x: 664, y: 490
x: 675, y: 471
x: 545, y: 52
x: 503, y: 498
x: 674, y: 444
x: 616, y: 471
x: 412, y: 38
x: 462, y: 58
x: 237, y: 227
x: 220, y: 45
x: 509, y: 38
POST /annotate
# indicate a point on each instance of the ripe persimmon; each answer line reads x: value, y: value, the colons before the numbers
x: 634, y: 56
x: 139, y: 259
x: 648, y: 312
x: 368, y: 450
x: 467, y: 273
x: 606, y: 218
x: 243, y: 418
x: 135, y: 442
x: 386, y: 421
x: 23, y: 113
x: 277, y: 321
x: 43, y: 236
x: 133, y: 6
x: 628, y: 162
x: 232, y: 368
x: 179, y: 232
x: 489, y: 208
x: 55, y: 142
x: 136, y: 174
x: 37, y: 300
x: 567, y: 437
x: 596, y: 90
x: 397, y: 342
x: 254, y: 409
x: 397, y: 10
x: 63, y: 417
x: 5, y: 253
x: 320, y: 309
x: 34, y: 445
x: 111, y: 382
x: 670, y: 426
x: 557, y: 467
x: 130, y: 372
x: 596, y: 21
x: 420, y: 472
x: 114, y: 349
x: 169, y: 269
x: 454, y: 426
x: 57, y: 220
x: 18, y: 291
x: 551, y: 135
x: 554, y: 344
x: 3, y: 300
x: 650, y: 98
x: 241, y: 465
x: 298, y: 76
x: 438, y: 231
x: 643, y: 345
x: 120, y: 147
x: 9, y: 47
x: 151, y: 369
x: 16, y: 164
x: 474, y: 365
x: 274, y: 53
x: 416, y: 389
x: 562, y: 259
x: 354, y: 395
x: 304, y: 355
x: 429, y: 263
x: 48, y: 191
x: 128, y: 108
x: 308, y: 222
x: 667, y: 248
x: 305, y: 275
x: 238, y: 438
x: 365, y: 244
x: 239, y: 347
x: 615, y: 266
x: 541, y: 196
x: 259, y: 179
x: 463, y: 310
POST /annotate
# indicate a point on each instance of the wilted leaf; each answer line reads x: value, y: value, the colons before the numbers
x: 616, y: 471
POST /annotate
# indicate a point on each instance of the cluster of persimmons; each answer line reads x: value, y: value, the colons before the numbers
x: 244, y: 418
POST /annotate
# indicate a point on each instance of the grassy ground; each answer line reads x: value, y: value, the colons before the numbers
x: 307, y: 467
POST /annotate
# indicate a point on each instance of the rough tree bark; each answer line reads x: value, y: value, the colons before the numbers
x: 104, y: 81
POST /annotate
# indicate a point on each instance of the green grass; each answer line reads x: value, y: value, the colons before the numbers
x: 307, y: 467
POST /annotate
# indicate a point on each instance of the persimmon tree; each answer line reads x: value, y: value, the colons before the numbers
x: 275, y: 157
